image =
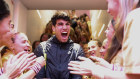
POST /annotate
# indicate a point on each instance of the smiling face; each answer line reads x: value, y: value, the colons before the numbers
x: 21, y: 43
x: 104, y: 48
x: 113, y: 7
x: 62, y: 30
x: 93, y: 48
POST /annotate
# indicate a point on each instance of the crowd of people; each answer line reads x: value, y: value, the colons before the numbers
x: 123, y: 59
x: 66, y: 51
x: 80, y: 30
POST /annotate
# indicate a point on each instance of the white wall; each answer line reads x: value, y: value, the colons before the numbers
x: 98, y: 18
x: 20, y: 16
x: 22, y: 23
x: 36, y: 25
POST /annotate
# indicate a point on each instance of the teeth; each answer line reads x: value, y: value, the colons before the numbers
x: 64, y: 32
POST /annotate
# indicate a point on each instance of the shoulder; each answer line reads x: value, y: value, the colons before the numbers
x: 76, y: 45
x: 43, y: 43
x: 134, y: 14
x: 132, y: 20
x: 135, y: 11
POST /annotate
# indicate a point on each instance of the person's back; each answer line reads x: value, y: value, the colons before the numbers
x: 131, y: 42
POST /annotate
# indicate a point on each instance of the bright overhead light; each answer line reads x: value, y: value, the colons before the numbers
x: 38, y: 13
x: 99, y: 13
x: 95, y: 33
x: 101, y: 29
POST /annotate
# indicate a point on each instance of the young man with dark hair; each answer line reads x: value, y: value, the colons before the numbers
x: 60, y: 50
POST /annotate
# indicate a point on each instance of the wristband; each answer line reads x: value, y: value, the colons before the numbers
x: 36, y: 67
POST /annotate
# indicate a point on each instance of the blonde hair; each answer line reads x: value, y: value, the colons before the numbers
x: 13, y: 38
x: 125, y: 7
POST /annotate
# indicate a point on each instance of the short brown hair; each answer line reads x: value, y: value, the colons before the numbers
x: 60, y: 15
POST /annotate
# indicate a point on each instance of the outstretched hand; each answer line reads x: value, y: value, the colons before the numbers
x: 17, y: 64
x: 101, y: 62
x: 83, y: 67
x: 86, y: 67
x: 41, y: 60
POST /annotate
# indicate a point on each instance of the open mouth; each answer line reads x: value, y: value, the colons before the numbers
x: 27, y: 50
x: 64, y: 34
x: 92, y: 54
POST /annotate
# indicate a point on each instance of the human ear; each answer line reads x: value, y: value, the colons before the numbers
x: 53, y: 28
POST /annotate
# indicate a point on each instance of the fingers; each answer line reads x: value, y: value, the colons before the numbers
x: 82, y: 58
x: 74, y: 62
x: 27, y: 65
x: 76, y: 69
x: 20, y: 60
x: 41, y: 61
x: 31, y: 62
x: 95, y: 59
x: 24, y: 59
x: 31, y: 58
x: 74, y: 65
x: 80, y: 72
x: 73, y: 68
x: 30, y: 55
x: 18, y: 56
x: 18, y: 63
x: 10, y: 59
x: 15, y: 75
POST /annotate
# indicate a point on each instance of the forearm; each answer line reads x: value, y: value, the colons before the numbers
x: 115, y: 67
x: 28, y: 75
x: 109, y: 74
x: 34, y: 69
x: 122, y: 75
x: 106, y: 73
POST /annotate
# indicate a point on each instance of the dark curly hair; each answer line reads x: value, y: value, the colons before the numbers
x: 4, y: 9
x: 49, y: 35
x: 34, y: 43
x: 60, y: 15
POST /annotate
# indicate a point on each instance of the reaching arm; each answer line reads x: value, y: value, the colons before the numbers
x: 15, y: 65
x: 39, y: 52
x: 88, y: 67
x: 34, y: 69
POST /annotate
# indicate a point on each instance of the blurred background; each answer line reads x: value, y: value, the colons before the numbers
x: 32, y: 16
